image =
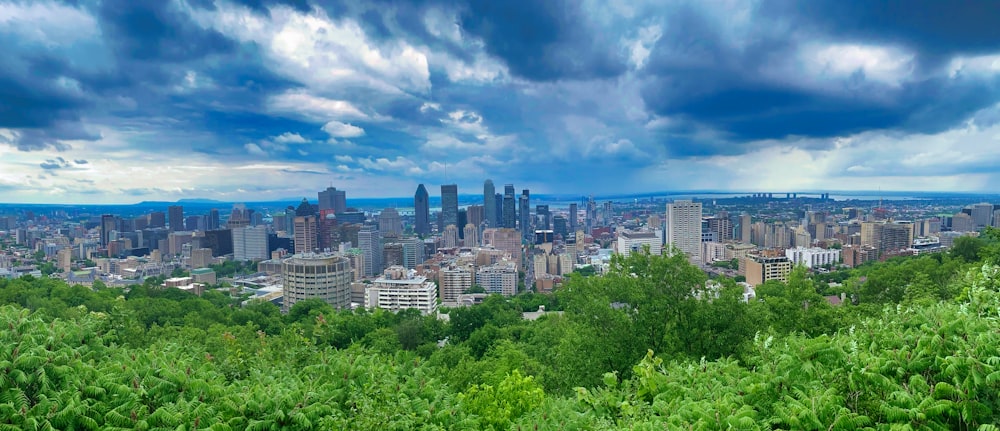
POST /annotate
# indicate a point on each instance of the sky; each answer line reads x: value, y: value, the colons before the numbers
x: 120, y: 101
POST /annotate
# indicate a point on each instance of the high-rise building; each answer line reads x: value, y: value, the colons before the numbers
x: 544, y: 217
x: 323, y: 276
x: 572, y: 217
x: 760, y: 269
x: 371, y: 247
x: 746, y: 224
x: 250, y: 243
x: 450, y: 236
x: 475, y: 214
x: 498, y: 278
x: 684, y: 227
x: 490, y: 203
x: 982, y: 215
x: 413, y: 252
x: 509, y: 213
x: 108, y: 224
x: 636, y: 241
x: 422, y: 211
x: 721, y: 226
x: 524, y: 224
x: 455, y: 281
x: 306, y: 234
x: 213, y: 219
x: 887, y: 238
x: 175, y: 217
x: 449, y: 206
x: 499, y: 204
x: 559, y: 226
x: 471, y: 237
x: 157, y: 219
x: 390, y: 224
x: 508, y: 240
x: 333, y: 199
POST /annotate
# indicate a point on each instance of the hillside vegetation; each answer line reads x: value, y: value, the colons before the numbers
x: 920, y: 350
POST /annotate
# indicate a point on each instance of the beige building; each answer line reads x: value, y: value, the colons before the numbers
x: 306, y: 237
x: 684, y: 227
x: 761, y: 269
x: 505, y: 239
x: 499, y: 278
x: 887, y: 238
x: 454, y: 281
x: 323, y: 276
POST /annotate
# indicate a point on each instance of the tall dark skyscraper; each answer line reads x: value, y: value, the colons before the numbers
x: 422, y: 211
x: 108, y: 224
x: 175, y: 217
x: 333, y: 199
x: 490, y: 203
x: 509, y: 213
x: 572, y: 217
x: 499, y: 214
x: 157, y: 219
x: 525, y: 214
x: 449, y: 206
x: 213, y: 219
x: 544, y: 216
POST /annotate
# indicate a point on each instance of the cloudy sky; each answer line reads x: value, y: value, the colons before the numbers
x: 129, y: 100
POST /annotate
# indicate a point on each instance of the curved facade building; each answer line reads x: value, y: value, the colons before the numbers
x: 323, y: 276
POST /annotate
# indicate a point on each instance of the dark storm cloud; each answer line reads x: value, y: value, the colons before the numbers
x: 157, y: 31
x: 936, y: 29
x: 543, y: 40
x: 695, y: 75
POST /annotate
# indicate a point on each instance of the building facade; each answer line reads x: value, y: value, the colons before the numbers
x: 322, y: 276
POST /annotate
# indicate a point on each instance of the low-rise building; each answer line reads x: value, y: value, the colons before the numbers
x: 399, y: 289
x: 813, y: 257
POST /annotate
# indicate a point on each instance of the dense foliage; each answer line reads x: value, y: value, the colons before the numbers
x: 644, y: 346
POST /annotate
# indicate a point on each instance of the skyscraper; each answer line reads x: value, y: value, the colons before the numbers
x: 544, y: 216
x: 746, y: 225
x: 213, y: 219
x: 572, y: 217
x: 449, y: 206
x: 525, y: 212
x: 499, y: 204
x: 684, y: 227
x: 306, y: 234
x: 108, y: 223
x: 371, y: 248
x: 476, y: 214
x: 250, y: 243
x: 333, y: 199
x: 490, y: 203
x: 422, y: 211
x: 509, y: 214
x: 175, y: 217
x: 389, y: 223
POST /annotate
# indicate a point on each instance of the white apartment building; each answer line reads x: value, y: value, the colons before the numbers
x: 684, y: 227
x: 455, y: 281
x: 400, y: 289
x: 499, y: 278
x: 813, y: 257
x: 634, y: 241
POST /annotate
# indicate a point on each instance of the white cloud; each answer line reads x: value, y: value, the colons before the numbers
x: 883, y: 64
x: 343, y: 158
x: 398, y: 165
x: 988, y: 65
x: 290, y: 138
x: 324, y: 52
x: 467, y: 122
x: 48, y: 23
x: 316, y: 108
x: 337, y: 129
x: 640, y: 47
x: 255, y: 149
x: 428, y: 106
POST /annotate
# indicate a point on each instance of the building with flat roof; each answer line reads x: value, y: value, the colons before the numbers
x: 635, y: 241
x: 322, y: 276
x: 399, y: 289
x: 684, y: 227
x: 761, y: 269
x: 813, y: 257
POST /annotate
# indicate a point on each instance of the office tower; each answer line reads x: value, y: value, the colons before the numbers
x: 449, y: 206
x: 471, y: 237
x: 239, y: 217
x: 450, y: 236
x: 193, y: 223
x: 463, y: 219
x: 108, y: 224
x: 499, y: 204
x: 490, y: 203
x: 508, y: 240
x: 525, y: 208
x: 157, y: 219
x: 392, y: 254
x: 560, y: 227
x: 250, y: 243
x: 962, y: 222
x: 141, y: 222
x: 572, y: 217
x: 413, y: 252
x: 422, y: 211
x: 476, y: 215
x: 371, y: 248
x: 982, y: 215
x: 329, y: 235
x: 591, y: 213
x: 684, y: 227
x: 746, y: 224
x: 175, y: 218
x: 333, y: 199
x: 306, y: 234
x: 721, y: 226
x: 390, y: 224
x: 887, y: 238
x: 607, y: 213
x: 219, y: 240
x: 543, y: 218
x: 213, y: 219
x: 509, y: 214
x: 327, y: 277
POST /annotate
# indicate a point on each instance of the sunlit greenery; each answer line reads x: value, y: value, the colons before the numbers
x: 645, y: 346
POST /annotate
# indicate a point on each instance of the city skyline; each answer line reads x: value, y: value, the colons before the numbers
x: 122, y: 102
